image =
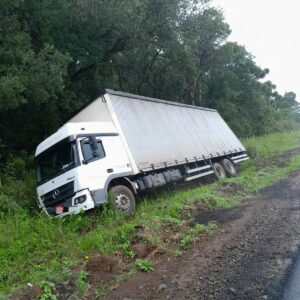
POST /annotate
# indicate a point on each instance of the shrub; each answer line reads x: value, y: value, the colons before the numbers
x: 8, y: 205
x: 21, y: 193
x: 18, y: 182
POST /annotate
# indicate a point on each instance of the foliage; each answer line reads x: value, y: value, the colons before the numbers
x: 81, y: 281
x: 18, y: 184
x: 49, y: 291
x: 186, y: 241
x: 127, y: 251
x: 144, y: 265
x: 8, y: 205
x: 178, y: 252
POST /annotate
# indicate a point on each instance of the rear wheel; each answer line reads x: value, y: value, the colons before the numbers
x: 219, y: 171
x: 122, y: 200
x: 229, y: 167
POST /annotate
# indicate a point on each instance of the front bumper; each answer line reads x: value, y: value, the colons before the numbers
x: 69, y: 206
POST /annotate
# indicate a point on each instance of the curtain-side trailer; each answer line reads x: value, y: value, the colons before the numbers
x: 125, y: 144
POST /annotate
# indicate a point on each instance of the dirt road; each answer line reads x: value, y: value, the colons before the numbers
x: 249, y: 257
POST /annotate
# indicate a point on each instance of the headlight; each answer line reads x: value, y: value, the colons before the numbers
x: 79, y: 199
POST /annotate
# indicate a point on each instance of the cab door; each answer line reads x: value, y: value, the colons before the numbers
x: 102, y: 159
x: 93, y: 170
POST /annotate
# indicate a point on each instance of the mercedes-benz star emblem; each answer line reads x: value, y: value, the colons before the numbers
x: 55, y: 194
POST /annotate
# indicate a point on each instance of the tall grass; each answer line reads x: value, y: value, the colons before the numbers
x: 264, y: 146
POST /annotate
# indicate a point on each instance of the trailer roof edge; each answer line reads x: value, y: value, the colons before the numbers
x: 138, y: 97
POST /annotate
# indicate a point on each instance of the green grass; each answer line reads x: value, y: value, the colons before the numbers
x: 35, y: 248
x: 271, y: 144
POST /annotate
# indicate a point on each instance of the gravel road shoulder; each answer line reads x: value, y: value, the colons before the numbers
x: 247, y: 258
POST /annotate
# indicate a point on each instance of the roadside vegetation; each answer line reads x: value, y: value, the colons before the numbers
x: 55, y: 253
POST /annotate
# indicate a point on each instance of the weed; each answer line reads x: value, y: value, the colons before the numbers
x: 212, y: 225
x: 170, y: 220
x: 198, y: 229
x: 186, y: 241
x: 194, y: 233
x: 144, y: 265
x: 65, y: 267
x: 48, y: 291
x: 101, y: 291
x: 127, y: 251
x: 81, y: 281
x: 178, y: 252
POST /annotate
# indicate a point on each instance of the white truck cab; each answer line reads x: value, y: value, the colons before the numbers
x: 75, y: 166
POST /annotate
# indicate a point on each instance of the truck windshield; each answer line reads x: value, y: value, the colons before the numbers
x: 58, y: 159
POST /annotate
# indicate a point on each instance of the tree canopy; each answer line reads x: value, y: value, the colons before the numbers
x: 55, y: 54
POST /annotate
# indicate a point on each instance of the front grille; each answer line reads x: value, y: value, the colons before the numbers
x: 59, y: 194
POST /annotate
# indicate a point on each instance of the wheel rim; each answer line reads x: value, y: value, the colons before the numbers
x: 219, y: 172
x: 230, y: 167
x: 122, y: 202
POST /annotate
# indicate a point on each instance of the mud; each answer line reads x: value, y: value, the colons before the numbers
x: 283, y: 159
x: 143, y: 250
x: 231, y: 188
x: 101, y: 269
x: 219, y: 215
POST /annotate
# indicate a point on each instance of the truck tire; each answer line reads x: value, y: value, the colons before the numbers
x: 229, y: 167
x: 219, y: 171
x: 122, y: 200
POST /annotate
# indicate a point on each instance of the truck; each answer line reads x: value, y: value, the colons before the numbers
x: 121, y: 145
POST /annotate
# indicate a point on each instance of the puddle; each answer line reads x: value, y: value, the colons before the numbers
x: 219, y: 215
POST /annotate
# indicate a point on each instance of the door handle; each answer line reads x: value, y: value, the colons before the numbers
x: 110, y: 170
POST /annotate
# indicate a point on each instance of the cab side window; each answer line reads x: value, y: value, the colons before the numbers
x: 90, y: 152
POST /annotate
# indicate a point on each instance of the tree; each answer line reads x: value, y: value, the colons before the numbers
x: 32, y: 81
x: 234, y: 88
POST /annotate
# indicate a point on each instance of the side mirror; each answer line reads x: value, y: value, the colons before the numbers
x: 90, y: 149
x: 94, y: 145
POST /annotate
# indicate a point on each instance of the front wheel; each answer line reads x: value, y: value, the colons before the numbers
x: 219, y: 171
x: 122, y: 200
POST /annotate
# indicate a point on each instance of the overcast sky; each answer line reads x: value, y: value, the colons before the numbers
x: 270, y: 30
